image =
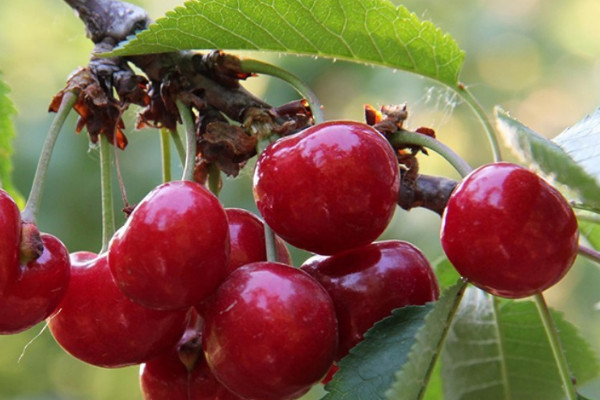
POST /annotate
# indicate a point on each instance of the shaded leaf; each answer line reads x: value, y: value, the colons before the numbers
x: 7, y: 134
x: 550, y: 157
x: 367, y: 31
x: 498, y: 350
x: 368, y: 371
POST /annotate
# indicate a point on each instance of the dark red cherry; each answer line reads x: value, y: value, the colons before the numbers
x: 10, y: 223
x: 37, y: 290
x: 97, y: 324
x: 368, y: 282
x: 270, y: 332
x: 174, y: 248
x: 329, y: 188
x: 247, y: 238
x: 508, y: 231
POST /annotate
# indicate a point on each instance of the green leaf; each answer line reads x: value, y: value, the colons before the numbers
x: 367, y: 31
x: 7, y: 134
x: 498, y: 350
x: 412, y: 380
x: 445, y: 272
x: 591, y: 231
x: 552, y: 158
x: 368, y: 371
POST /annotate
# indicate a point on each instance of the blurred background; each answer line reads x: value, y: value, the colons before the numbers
x: 539, y: 59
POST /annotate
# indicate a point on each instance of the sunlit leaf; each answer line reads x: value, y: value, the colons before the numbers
x: 498, y: 350
x: 591, y: 231
x: 552, y: 158
x: 367, y: 31
x: 7, y: 134
x: 369, y: 370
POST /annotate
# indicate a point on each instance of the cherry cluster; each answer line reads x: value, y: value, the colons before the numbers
x: 188, y: 289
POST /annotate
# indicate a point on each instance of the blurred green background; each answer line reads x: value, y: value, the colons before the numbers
x: 536, y: 58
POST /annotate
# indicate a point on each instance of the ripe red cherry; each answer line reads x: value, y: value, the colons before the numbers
x: 329, y: 188
x: 182, y: 373
x: 97, y: 324
x: 270, y: 332
x: 368, y: 282
x: 38, y: 289
x: 247, y: 238
x: 508, y: 231
x: 173, y: 250
x: 10, y: 221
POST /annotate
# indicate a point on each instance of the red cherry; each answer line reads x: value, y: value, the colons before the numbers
x: 10, y: 221
x: 508, y: 231
x: 368, y: 282
x: 329, y: 188
x: 168, y: 378
x: 270, y: 332
x: 97, y: 324
x: 173, y: 250
x: 247, y: 238
x: 36, y: 292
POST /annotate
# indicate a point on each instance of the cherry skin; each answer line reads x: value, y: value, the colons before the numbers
x: 270, y: 332
x: 10, y: 221
x: 40, y: 286
x: 173, y: 250
x: 368, y: 282
x: 182, y: 373
x: 329, y: 188
x: 508, y: 231
x: 97, y: 324
x: 247, y: 238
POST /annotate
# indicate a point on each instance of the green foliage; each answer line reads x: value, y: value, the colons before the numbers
x: 367, y: 31
x: 368, y: 371
x: 591, y: 231
x: 7, y: 133
x: 564, y: 158
x: 498, y: 349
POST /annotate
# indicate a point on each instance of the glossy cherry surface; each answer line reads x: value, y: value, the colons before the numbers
x: 247, y: 238
x: 270, y: 332
x: 38, y: 289
x: 329, y: 188
x: 10, y: 223
x: 174, y: 248
x: 508, y: 231
x: 368, y: 282
x: 97, y: 324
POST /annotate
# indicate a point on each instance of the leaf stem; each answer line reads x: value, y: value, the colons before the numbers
x: 32, y: 206
x: 270, y: 244
x: 589, y: 253
x: 108, y: 215
x: 190, y: 142
x: 165, y: 151
x: 260, y: 67
x: 555, y: 345
x: 403, y: 137
x: 483, y: 118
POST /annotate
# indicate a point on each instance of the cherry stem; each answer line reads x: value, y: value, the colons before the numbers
x: 32, y: 206
x: 589, y: 253
x: 483, y: 118
x: 165, y: 151
x: 108, y: 214
x: 178, y: 145
x: 260, y: 67
x: 190, y: 136
x: 214, y: 179
x: 555, y: 345
x: 404, y: 137
x: 270, y: 244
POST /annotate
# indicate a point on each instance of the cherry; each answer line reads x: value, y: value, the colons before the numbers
x: 97, y: 324
x: 247, y: 238
x: 10, y: 221
x: 38, y: 289
x: 368, y: 282
x: 508, y: 231
x: 173, y: 250
x: 329, y: 188
x: 270, y: 332
x: 182, y: 373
